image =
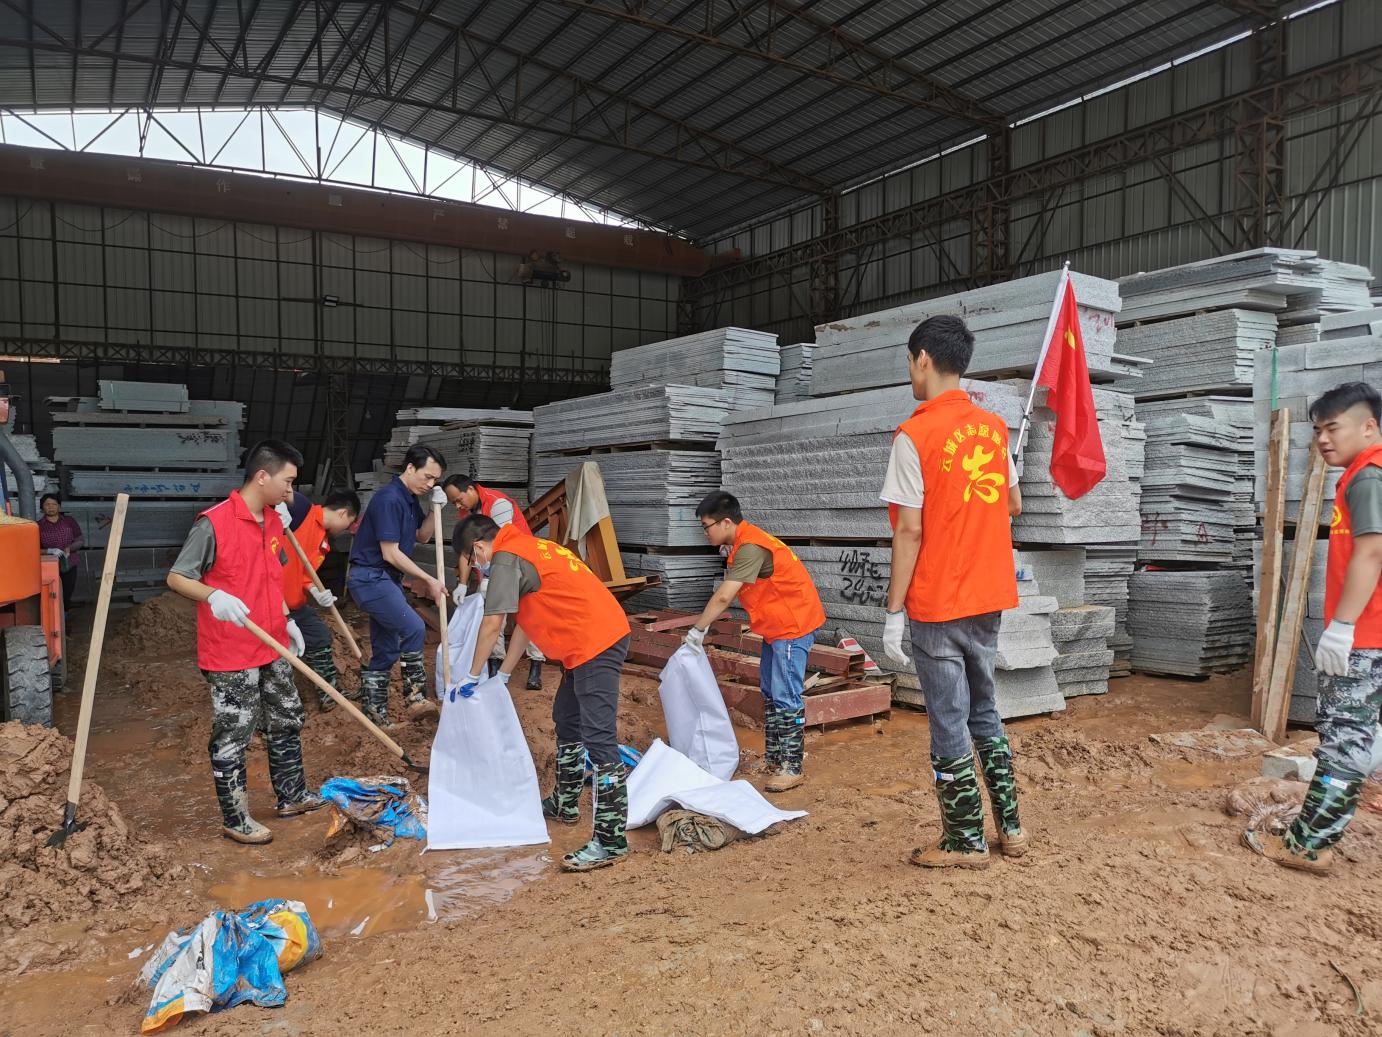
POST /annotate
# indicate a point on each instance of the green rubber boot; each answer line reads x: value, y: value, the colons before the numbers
x: 323, y: 664
x: 611, y: 809
x: 1309, y: 843
x: 961, y: 844
x: 374, y: 695
x: 564, y: 803
x: 996, y: 759
x: 791, y: 751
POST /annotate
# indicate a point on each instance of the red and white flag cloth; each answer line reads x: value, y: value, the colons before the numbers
x: 1077, y: 457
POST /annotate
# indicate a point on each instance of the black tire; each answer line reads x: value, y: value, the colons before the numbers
x: 28, y: 686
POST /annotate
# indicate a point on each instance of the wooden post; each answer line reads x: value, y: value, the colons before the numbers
x: 1269, y: 574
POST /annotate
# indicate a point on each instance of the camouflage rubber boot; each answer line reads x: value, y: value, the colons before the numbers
x: 564, y: 803
x: 996, y: 758
x: 374, y: 696
x: 961, y: 844
x: 323, y: 664
x: 1308, y: 845
x: 772, y: 738
x: 232, y: 792
x: 610, y: 805
x: 791, y: 749
x: 289, y: 782
x: 415, y: 686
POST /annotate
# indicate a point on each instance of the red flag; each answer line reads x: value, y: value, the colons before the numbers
x: 1077, y: 459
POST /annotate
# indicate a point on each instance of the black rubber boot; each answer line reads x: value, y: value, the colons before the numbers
x: 492, y: 666
x: 611, y: 809
x: 374, y: 695
x: 564, y: 803
x: 286, y: 775
x: 417, y: 701
x: 232, y: 792
x: 323, y: 664
x: 534, y: 676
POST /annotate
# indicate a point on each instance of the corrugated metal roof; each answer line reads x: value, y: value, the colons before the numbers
x: 693, y: 116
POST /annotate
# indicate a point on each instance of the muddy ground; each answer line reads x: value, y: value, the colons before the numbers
x: 1136, y: 913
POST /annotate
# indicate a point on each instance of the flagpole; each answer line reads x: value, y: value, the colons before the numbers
x: 1041, y: 360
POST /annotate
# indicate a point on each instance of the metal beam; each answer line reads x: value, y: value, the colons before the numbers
x: 884, y: 76
x: 1264, y: 10
x: 1311, y: 90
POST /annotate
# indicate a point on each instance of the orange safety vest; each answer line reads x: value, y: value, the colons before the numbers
x: 1367, y: 629
x: 311, y: 534
x: 784, y: 606
x: 572, y: 617
x: 489, y: 498
x: 247, y: 566
x: 965, y: 567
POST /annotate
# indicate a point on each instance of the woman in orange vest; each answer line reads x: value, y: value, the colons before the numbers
x: 784, y: 609
x: 1349, y: 655
x: 230, y: 566
x: 565, y: 608
x: 951, y: 489
x: 314, y: 530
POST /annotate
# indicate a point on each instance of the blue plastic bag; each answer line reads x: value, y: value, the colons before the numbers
x: 385, y: 804
x: 627, y: 754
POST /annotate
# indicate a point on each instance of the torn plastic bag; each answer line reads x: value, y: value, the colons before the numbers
x: 381, y: 804
x: 482, y: 789
x: 698, y: 724
x: 226, y: 959
x: 664, y: 777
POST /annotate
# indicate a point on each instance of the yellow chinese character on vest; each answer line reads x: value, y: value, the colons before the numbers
x: 984, y: 485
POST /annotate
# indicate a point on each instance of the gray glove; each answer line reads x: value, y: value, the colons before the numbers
x: 323, y: 597
x: 228, y: 608
x: 438, y: 496
x: 295, y: 642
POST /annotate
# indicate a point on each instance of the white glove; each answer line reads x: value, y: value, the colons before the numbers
x: 695, y: 640
x: 1331, y: 657
x: 282, y: 511
x: 458, y: 595
x: 228, y: 608
x: 295, y: 642
x: 894, y: 630
x: 54, y: 552
x: 438, y: 496
x: 322, y: 597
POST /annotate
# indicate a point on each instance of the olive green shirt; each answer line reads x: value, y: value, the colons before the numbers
x: 510, y: 577
x: 1364, y: 498
x: 751, y: 564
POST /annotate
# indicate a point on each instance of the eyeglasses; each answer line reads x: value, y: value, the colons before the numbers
x: 708, y: 526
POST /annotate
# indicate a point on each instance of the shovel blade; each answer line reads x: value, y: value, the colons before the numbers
x: 59, y: 838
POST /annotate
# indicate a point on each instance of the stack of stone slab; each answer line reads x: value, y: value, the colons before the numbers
x: 794, y: 380
x: 1210, y: 352
x: 688, y: 580
x: 412, y: 425
x: 1190, y: 623
x: 1083, y: 657
x: 1108, y: 570
x: 175, y: 457
x: 745, y: 364
x: 1008, y: 320
x: 41, y: 468
x: 650, y: 414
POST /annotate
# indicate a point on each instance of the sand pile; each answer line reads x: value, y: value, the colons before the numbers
x: 102, y: 866
x: 165, y: 624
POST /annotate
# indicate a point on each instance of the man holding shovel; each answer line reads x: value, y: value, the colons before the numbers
x: 231, y: 565
x: 579, y: 623
x: 380, y: 557
x: 314, y: 532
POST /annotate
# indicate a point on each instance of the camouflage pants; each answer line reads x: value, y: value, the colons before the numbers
x: 1347, y: 714
x: 244, y: 701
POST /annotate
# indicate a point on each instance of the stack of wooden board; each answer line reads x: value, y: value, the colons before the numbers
x: 743, y: 363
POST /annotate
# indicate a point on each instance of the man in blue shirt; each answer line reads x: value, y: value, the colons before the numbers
x: 381, y: 555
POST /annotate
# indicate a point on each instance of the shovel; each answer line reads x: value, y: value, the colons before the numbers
x: 93, y: 666
x: 317, y: 582
x: 441, y: 605
x: 350, y: 707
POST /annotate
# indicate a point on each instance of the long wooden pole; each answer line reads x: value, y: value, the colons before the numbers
x: 317, y: 582
x: 1269, y: 582
x: 93, y: 669
x: 316, y: 678
x: 441, y: 605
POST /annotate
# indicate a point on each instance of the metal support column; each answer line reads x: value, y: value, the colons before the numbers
x: 825, y: 267
x: 1259, y: 180
x: 338, y: 433
x: 990, y: 258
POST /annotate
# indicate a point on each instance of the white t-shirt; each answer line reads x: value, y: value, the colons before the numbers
x: 502, y: 512
x: 903, y: 485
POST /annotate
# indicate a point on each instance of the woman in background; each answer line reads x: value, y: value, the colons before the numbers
x: 60, y: 536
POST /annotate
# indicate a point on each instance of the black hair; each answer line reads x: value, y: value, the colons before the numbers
x: 270, y: 455
x: 348, y: 499
x: 470, y: 529
x: 946, y: 340
x: 420, y: 453
x: 50, y: 497
x: 720, y: 505
x: 460, y: 483
x: 1342, y: 397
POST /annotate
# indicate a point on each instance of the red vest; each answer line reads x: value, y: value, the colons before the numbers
x: 312, y: 536
x: 247, y: 566
x: 1367, y: 629
x: 489, y: 498
x: 965, y: 567
x: 784, y: 606
x: 572, y: 617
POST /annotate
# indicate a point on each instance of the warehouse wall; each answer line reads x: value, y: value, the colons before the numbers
x: 1110, y: 225
x: 99, y: 274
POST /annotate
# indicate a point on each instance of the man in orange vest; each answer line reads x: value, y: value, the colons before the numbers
x: 784, y: 609
x: 470, y: 498
x: 951, y: 489
x: 314, y: 531
x: 231, y: 565
x: 1349, y: 655
x: 565, y: 608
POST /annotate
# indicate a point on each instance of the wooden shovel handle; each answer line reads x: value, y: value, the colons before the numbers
x: 441, y: 605
x: 317, y: 582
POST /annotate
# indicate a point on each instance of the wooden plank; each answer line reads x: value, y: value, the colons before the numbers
x: 1269, y: 577
x: 1285, y: 654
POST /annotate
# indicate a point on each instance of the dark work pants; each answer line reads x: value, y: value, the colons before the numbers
x: 394, y: 626
x: 586, y: 708
x: 315, y: 632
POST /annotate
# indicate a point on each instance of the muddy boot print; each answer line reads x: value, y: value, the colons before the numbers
x: 232, y: 792
x: 286, y: 775
x: 961, y: 844
x: 564, y: 803
x: 791, y: 750
x: 996, y: 759
x: 610, y: 806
